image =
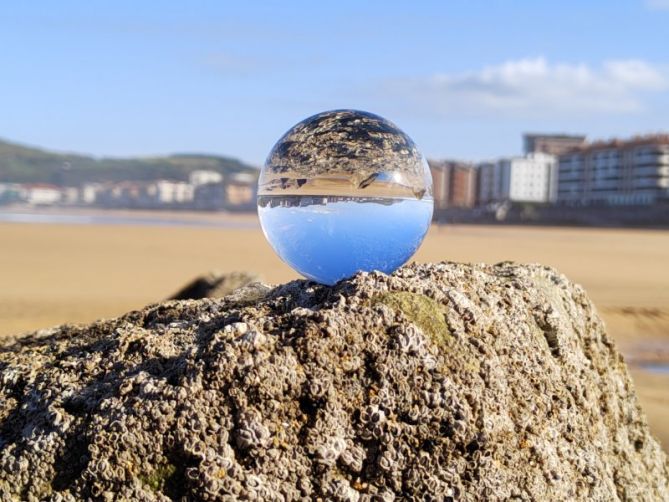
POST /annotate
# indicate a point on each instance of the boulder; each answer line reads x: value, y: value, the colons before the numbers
x: 441, y: 382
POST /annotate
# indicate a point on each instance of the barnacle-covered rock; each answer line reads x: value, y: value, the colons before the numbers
x: 440, y: 382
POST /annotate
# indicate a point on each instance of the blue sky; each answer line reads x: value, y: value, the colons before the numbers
x: 464, y: 78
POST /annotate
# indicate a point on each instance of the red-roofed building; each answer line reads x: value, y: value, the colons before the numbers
x: 41, y: 194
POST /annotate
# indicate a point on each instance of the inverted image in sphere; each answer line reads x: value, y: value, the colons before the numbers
x: 345, y: 191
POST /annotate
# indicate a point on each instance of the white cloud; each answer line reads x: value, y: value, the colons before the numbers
x: 533, y: 87
x: 657, y: 4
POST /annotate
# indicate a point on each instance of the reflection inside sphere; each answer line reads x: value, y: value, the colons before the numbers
x: 345, y: 191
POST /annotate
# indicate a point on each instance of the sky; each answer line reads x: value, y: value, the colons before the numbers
x: 464, y: 78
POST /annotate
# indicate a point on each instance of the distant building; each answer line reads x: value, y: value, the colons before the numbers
x: 142, y: 194
x: 454, y: 184
x: 69, y: 195
x: 10, y: 193
x: 204, y: 177
x: 41, y: 194
x: 634, y: 171
x: 209, y: 197
x: 164, y: 192
x: 126, y: 194
x: 552, y: 144
x: 241, y: 190
x: 531, y: 178
x: 88, y: 193
x: 237, y: 192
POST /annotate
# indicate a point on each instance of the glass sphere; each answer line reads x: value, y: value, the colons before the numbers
x: 345, y: 191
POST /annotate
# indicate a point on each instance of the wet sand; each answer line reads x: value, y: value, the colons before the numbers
x: 57, y: 273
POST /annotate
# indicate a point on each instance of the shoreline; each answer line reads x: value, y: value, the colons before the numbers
x: 132, y: 217
x: 79, y: 215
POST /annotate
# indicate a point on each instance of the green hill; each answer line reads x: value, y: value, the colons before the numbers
x: 24, y: 164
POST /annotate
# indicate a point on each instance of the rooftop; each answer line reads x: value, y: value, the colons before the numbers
x: 580, y: 137
x: 634, y: 141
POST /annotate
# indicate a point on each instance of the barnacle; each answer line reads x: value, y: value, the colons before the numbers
x: 438, y: 382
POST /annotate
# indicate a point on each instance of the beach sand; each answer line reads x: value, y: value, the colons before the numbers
x: 60, y: 273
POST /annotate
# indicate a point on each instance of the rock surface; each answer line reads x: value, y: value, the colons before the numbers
x: 214, y: 285
x: 440, y: 382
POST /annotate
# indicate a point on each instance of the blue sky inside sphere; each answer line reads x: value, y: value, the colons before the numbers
x: 332, y: 240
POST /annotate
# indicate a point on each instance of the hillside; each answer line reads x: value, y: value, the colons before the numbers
x: 24, y: 164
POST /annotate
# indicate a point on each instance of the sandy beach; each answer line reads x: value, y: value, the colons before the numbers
x: 75, y: 272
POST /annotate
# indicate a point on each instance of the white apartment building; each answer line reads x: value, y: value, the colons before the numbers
x: 531, y: 178
x: 634, y: 171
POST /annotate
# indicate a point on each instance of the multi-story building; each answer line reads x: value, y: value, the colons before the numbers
x: 552, y: 144
x: 454, y: 184
x: 531, y: 178
x: 634, y: 171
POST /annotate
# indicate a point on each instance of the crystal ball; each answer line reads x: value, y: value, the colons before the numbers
x: 345, y: 191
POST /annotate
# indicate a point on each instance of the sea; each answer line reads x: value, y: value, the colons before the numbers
x: 126, y: 218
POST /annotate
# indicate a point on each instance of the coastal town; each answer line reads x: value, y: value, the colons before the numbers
x: 204, y: 190
x: 564, y: 170
x: 559, y: 178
